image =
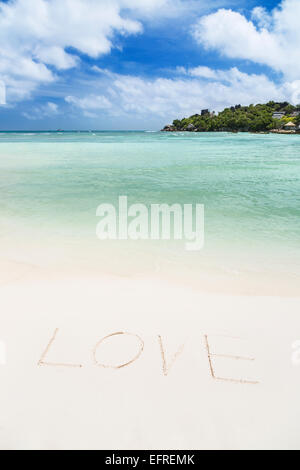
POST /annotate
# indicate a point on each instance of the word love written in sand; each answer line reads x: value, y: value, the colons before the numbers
x: 167, y: 364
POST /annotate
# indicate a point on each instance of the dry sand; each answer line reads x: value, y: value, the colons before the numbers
x: 186, y: 369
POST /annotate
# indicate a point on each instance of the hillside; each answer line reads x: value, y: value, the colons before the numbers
x: 253, y: 118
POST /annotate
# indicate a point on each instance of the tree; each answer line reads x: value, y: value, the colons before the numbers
x: 254, y: 118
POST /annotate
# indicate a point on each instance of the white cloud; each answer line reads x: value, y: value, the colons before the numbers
x: 261, y: 16
x: 52, y: 108
x: 202, y: 71
x: 37, y: 35
x: 269, y: 39
x: 91, y: 102
x: 56, y: 56
x: 188, y: 93
x: 39, y: 112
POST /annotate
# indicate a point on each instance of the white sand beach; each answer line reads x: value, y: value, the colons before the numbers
x: 205, y: 371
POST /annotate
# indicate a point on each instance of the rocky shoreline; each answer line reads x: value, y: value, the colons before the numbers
x: 170, y: 128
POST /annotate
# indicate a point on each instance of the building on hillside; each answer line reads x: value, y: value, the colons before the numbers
x: 191, y: 127
x: 278, y: 115
x: 295, y: 114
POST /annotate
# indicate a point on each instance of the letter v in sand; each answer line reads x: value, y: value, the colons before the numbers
x: 167, y: 367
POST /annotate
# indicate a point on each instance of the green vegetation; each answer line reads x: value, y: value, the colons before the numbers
x: 253, y: 118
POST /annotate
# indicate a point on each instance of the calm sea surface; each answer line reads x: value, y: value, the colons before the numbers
x: 52, y: 183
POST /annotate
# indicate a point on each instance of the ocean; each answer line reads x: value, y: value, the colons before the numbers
x: 51, y: 184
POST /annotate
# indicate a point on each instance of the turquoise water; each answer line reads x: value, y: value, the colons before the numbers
x: 52, y: 183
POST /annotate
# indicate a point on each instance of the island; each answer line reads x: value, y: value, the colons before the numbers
x: 280, y: 118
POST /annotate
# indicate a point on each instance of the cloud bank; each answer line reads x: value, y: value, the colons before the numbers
x: 39, y: 38
x: 185, y: 94
x: 270, y: 39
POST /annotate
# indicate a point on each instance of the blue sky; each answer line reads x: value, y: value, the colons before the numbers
x: 139, y: 64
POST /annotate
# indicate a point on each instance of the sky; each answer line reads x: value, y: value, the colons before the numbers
x: 140, y: 64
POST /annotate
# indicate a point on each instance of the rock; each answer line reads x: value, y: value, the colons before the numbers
x: 168, y: 128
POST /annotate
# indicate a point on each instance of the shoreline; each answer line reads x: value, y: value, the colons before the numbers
x: 33, y: 131
x: 235, y: 132
x: 207, y: 280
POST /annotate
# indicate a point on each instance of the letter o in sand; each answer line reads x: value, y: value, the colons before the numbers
x: 111, y: 366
